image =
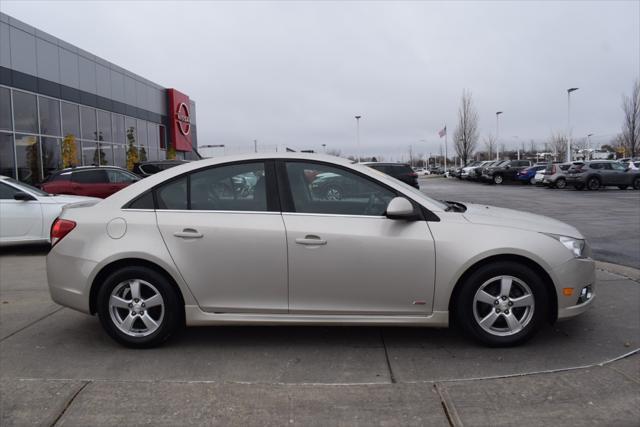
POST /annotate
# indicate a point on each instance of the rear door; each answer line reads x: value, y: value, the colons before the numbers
x: 223, y: 229
x: 618, y: 174
x: 90, y: 182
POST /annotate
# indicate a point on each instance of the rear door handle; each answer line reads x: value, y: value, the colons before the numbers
x: 188, y: 233
x: 311, y: 240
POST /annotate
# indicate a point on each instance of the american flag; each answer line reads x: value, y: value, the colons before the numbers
x: 442, y: 132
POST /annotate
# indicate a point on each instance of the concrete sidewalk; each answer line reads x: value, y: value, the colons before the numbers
x: 57, y: 367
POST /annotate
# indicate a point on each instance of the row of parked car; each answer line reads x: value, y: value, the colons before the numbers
x: 590, y: 175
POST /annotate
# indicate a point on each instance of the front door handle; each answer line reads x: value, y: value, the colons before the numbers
x: 188, y: 233
x: 311, y: 240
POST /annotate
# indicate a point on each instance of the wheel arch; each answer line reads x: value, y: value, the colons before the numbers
x: 128, y: 262
x: 544, y: 275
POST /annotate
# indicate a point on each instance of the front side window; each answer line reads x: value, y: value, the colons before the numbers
x: 324, y: 189
x: 239, y: 187
x: 90, y: 177
x: 618, y: 166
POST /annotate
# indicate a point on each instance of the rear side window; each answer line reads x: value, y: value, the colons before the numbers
x: 7, y: 192
x: 150, y: 169
x: 595, y: 166
x: 401, y: 169
x: 143, y: 202
x: 240, y: 187
x: 60, y: 177
x: 90, y: 177
x: 173, y: 195
x: 117, y: 177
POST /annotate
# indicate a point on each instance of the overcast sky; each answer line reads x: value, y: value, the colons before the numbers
x: 296, y: 73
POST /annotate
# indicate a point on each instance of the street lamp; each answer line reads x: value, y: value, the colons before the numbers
x: 497, y: 134
x: 324, y: 148
x: 358, y: 136
x: 571, y: 89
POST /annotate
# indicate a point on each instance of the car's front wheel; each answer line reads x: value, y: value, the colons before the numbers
x: 138, y: 307
x: 561, y: 183
x: 636, y: 184
x: 498, y: 179
x: 502, y: 304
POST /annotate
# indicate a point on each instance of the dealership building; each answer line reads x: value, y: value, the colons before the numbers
x: 61, y: 106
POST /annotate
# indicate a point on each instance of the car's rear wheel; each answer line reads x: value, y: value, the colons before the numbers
x: 561, y: 183
x: 636, y: 184
x: 623, y: 187
x: 502, y: 304
x: 138, y: 307
x: 498, y: 179
x: 593, y: 184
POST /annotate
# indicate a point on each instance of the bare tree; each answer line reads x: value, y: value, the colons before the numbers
x: 558, y: 143
x: 533, y: 147
x: 465, y: 137
x: 490, y: 145
x: 631, y: 123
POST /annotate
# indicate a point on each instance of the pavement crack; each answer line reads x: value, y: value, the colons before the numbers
x: 28, y: 325
x: 386, y: 356
x: 69, y: 402
x: 624, y: 374
x: 447, y: 405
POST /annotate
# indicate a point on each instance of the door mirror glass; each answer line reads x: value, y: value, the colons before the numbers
x: 22, y: 196
x: 400, y: 208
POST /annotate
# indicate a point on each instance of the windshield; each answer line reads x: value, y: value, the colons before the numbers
x: 26, y: 187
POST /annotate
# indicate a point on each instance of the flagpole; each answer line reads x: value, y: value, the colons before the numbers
x: 445, y: 148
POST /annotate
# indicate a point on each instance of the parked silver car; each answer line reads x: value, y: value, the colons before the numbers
x: 176, y: 248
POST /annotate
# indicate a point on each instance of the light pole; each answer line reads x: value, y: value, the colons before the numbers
x: 358, y: 136
x: 571, y: 89
x: 497, y: 135
x: 324, y: 148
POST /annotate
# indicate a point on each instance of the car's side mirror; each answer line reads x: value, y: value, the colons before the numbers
x: 400, y: 208
x: 22, y: 196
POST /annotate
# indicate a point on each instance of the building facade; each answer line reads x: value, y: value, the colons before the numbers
x: 61, y: 106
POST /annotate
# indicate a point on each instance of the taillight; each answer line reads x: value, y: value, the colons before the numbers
x: 413, y: 174
x: 60, y: 228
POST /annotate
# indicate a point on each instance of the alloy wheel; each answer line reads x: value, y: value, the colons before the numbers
x: 497, y: 179
x: 503, y: 305
x: 561, y: 183
x: 136, y: 308
x: 593, y: 184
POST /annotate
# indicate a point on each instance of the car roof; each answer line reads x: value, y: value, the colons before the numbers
x: 85, y: 168
x: 384, y: 163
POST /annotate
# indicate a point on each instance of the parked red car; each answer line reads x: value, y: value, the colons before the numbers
x: 94, y: 181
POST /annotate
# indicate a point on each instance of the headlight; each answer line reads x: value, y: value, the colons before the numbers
x: 576, y: 246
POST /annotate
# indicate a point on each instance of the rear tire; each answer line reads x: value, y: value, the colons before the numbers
x: 623, y: 187
x: 593, y: 184
x: 502, y: 304
x: 139, y: 308
x: 498, y: 179
x: 560, y: 183
x: 636, y: 184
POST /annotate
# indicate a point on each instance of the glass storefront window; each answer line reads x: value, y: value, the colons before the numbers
x: 142, y: 154
x: 7, y: 159
x: 25, y: 112
x: 104, y: 126
x: 118, y: 132
x: 70, y: 120
x: 88, y: 123
x: 120, y: 155
x: 152, y: 141
x: 49, y: 116
x: 106, y: 154
x: 5, y: 109
x: 163, y: 141
x: 70, y: 151
x: 90, y: 153
x: 130, y: 129
x: 28, y: 157
x: 51, y: 155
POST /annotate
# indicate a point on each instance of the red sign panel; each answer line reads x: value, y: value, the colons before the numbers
x: 180, y: 120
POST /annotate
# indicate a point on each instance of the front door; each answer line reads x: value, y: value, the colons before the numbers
x: 345, y: 256
x: 228, y: 239
x: 21, y: 219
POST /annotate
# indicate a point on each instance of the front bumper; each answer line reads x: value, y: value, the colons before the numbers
x: 574, y: 274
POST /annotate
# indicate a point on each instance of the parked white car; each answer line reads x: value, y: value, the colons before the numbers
x: 187, y: 246
x: 422, y: 171
x: 26, y: 212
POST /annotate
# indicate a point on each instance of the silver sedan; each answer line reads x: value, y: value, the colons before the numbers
x: 256, y: 240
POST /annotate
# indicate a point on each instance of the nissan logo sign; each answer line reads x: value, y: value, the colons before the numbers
x: 183, y: 118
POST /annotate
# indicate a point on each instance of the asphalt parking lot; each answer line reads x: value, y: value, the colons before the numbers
x: 57, y: 367
x: 608, y: 218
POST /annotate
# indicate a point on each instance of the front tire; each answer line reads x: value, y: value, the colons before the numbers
x: 498, y: 179
x: 502, y: 304
x: 593, y: 184
x: 138, y: 307
x: 636, y: 184
x: 561, y: 183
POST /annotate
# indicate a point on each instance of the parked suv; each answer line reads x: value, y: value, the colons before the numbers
x: 94, y: 181
x: 555, y: 174
x: 505, y: 171
x: 401, y: 171
x: 602, y: 173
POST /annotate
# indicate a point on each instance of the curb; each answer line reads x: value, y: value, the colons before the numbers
x: 621, y: 270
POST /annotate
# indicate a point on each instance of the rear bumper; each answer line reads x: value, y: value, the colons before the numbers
x: 68, y: 278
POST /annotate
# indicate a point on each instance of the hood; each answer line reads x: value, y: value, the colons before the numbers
x: 491, y: 215
x: 65, y: 199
